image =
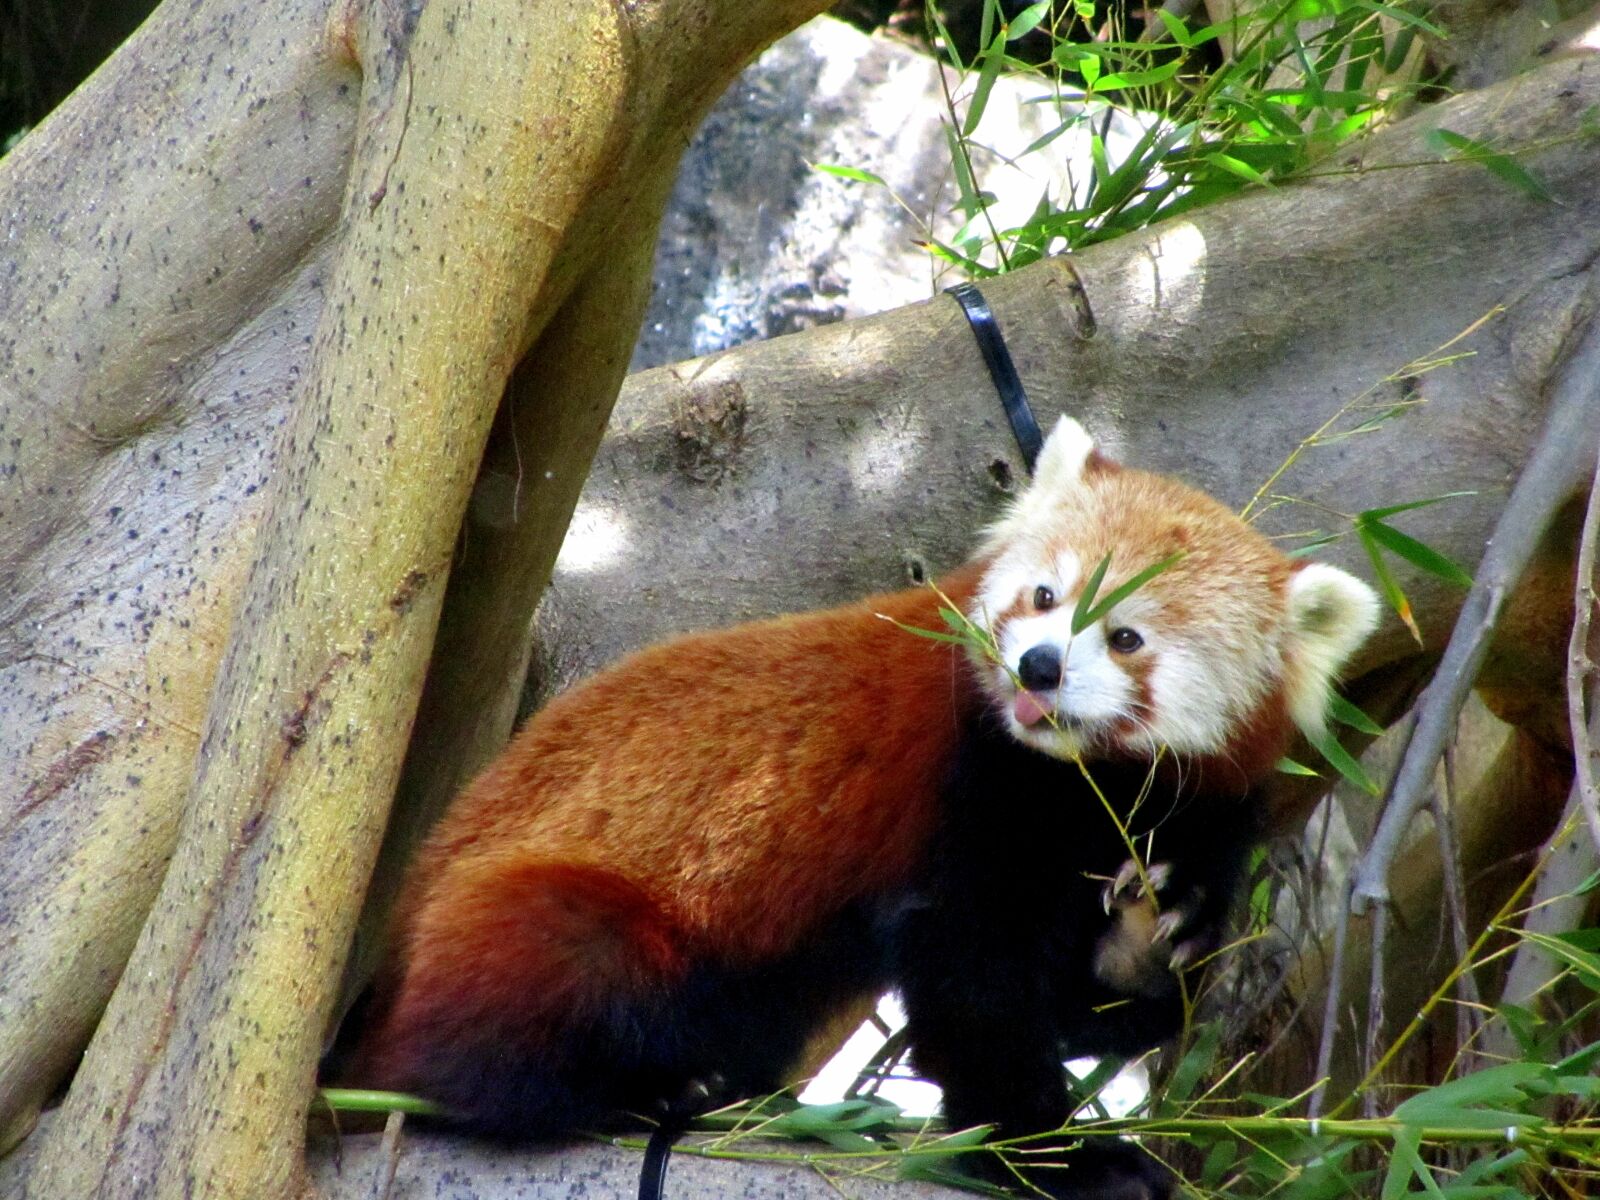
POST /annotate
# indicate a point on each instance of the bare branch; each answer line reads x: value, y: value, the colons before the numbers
x: 1555, y: 471
x: 1468, y: 1011
x: 1330, y: 1010
x: 1375, y: 1007
x: 1581, y: 668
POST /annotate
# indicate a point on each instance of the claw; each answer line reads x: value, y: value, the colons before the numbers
x: 1160, y: 875
x: 1127, y: 875
x: 1120, y: 882
x: 1183, y: 957
x: 1166, y: 925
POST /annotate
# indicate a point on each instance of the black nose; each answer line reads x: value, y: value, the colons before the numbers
x: 1040, y: 668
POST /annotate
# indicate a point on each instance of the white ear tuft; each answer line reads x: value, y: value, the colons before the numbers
x: 1062, y: 457
x: 1056, y: 475
x: 1331, y: 612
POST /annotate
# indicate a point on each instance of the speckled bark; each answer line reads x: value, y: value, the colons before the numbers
x: 204, y: 340
x: 166, y: 237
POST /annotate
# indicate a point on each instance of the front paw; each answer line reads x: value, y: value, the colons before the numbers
x: 1155, y: 930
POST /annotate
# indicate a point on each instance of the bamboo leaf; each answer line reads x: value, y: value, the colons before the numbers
x: 1342, y: 711
x: 1224, y: 1151
x: 1448, y: 1103
x: 1027, y: 20
x: 993, y: 59
x: 1192, y: 1066
x: 1288, y: 766
x: 1399, y: 51
x: 1102, y: 168
x: 1502, y: 165
x: 1342, y: 761
x: 944, y: 40
x: 1236, y: 166
x: 853, y: 173
x: 1080, y: 611
x: 1176, y: 29
x: 1585, y: 965
x: 1402, y: 16
x: 1119, y: 593
x: 965, y: 186
x: 1386, y: 582
x: 1121, y: 80
x: 1406, y: 1145
x: 933, y: 635
x: 369, y: 1100
x: 1379, y: 514
x: 1417, y: 553
x: 1314, y: 545
x: 1398, y: 1175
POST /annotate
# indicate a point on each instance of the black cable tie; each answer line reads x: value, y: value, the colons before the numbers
x: 1002, y: 370
x: 653, y: 1174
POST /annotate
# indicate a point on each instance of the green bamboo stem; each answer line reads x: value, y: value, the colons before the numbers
x: 1369, y: 1129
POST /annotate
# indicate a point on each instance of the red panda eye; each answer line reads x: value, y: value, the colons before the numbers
x: 1125, y: 640
x: 1043, y: 598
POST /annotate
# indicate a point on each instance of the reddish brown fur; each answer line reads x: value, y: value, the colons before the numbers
x: 705, y: 825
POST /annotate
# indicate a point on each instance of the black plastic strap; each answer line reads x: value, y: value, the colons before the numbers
x: 653, y: 1174
x: 1002, y: 370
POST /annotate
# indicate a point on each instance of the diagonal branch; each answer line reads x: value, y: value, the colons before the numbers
x: 1555, y: 471
x: 1581, y: 670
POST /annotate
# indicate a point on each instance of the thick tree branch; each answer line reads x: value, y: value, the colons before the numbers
x: 501, y: 144
x: 141, y: 415
x: 302, y: 743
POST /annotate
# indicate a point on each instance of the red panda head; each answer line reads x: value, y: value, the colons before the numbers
x: 1223, y: 648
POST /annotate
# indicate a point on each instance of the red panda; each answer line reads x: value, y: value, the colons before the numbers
x: 682, y: 868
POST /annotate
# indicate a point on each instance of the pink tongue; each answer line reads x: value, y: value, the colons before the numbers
x: 1029, y: 709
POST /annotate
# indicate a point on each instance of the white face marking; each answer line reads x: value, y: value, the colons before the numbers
x: 1017, y: 574
x: 1206, y: 665
x: 1095, y: 691
x: 1199, y: 688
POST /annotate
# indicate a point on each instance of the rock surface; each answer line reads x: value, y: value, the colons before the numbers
x: 758, y: 243
x: 434, y: 1167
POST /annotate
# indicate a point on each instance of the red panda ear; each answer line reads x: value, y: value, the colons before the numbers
x: 1330, y: 613
x: 1066, y: 456
x: 1063, y: 457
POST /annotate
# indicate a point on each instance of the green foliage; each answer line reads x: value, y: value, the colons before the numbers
x: 1519, y: 1130
x: 1264, y: 97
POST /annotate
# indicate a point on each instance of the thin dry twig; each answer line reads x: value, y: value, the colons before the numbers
x: 388, y: 1156
x: 1581, y: 668
x: 1469, y: 1012
x: 1375, y: 1009
x: 1330, y: 1010
x: 1555, y: 471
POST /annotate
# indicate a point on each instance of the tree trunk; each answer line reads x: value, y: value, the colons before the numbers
x: 487, y: 157
x: 250, y: 360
